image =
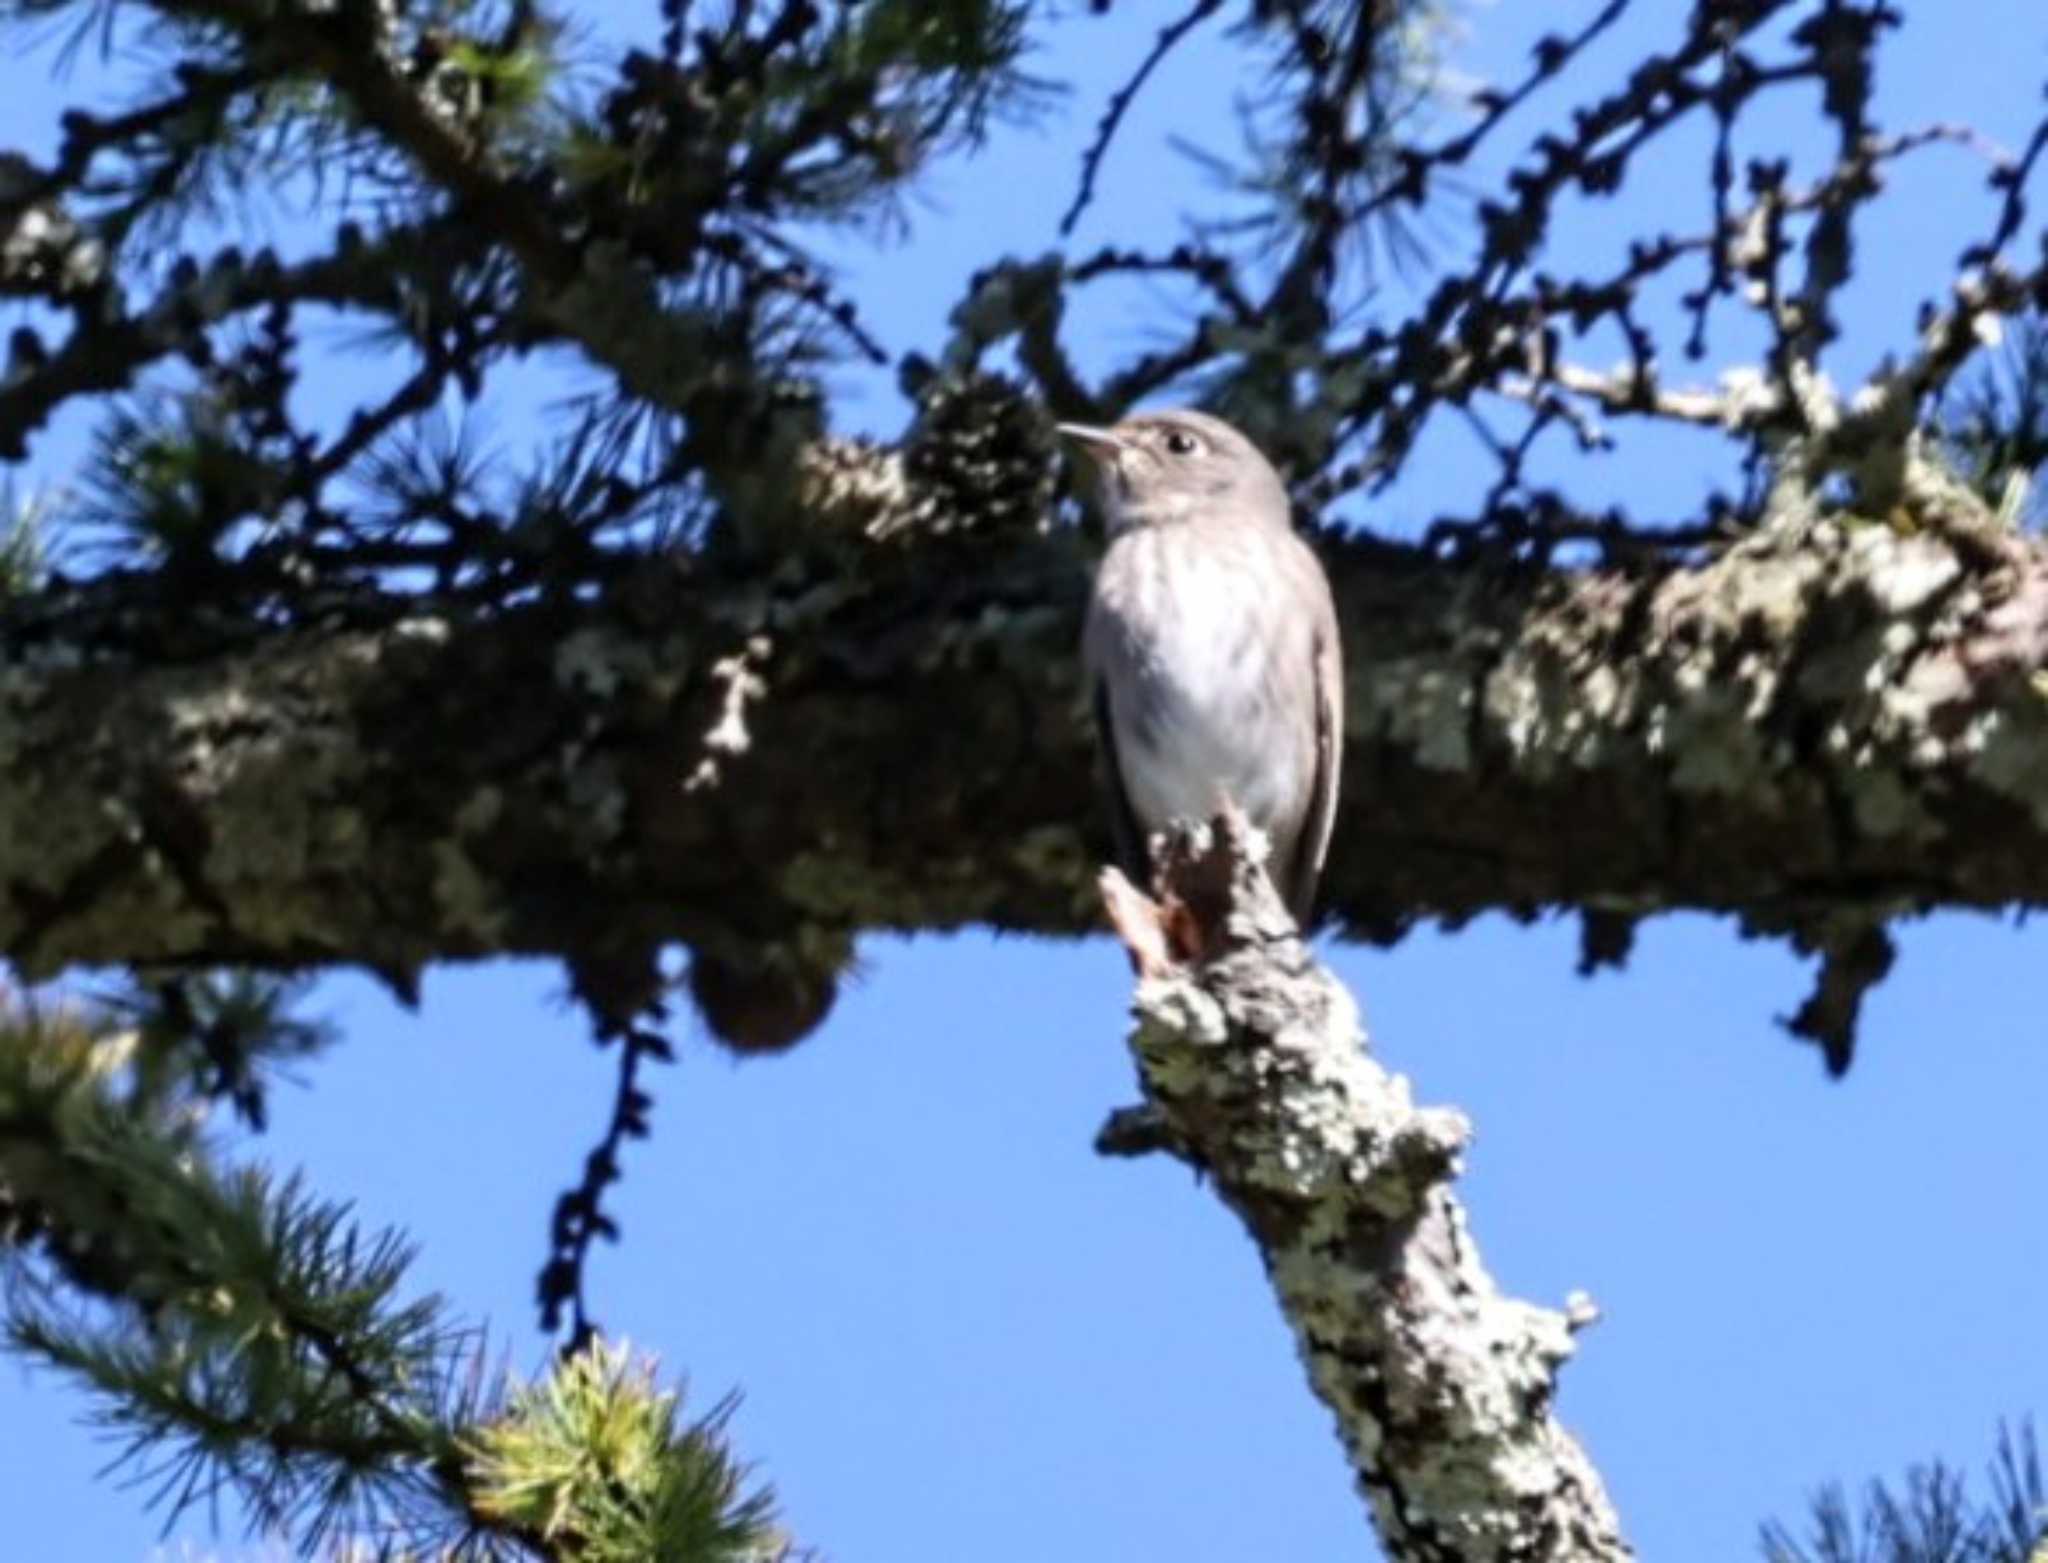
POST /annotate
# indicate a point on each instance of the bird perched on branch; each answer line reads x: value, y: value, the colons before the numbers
x: 1211, y: 646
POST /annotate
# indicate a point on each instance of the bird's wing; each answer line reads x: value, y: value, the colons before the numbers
x: 1132, y: 854
x: 1320, y: 818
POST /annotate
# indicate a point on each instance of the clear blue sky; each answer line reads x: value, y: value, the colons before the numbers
x: 959, y: 1333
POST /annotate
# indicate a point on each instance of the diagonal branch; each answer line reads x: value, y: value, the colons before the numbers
x: 1441, y: 1387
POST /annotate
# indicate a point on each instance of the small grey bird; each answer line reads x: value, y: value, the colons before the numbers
x: 1211, y: 646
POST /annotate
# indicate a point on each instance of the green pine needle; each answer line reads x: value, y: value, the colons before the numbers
x: 592, y: 1458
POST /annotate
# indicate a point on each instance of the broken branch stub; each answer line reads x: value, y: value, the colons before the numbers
x: 1253, y: 1056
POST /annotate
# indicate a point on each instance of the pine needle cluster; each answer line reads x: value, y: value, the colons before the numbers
x: 252, y: 1352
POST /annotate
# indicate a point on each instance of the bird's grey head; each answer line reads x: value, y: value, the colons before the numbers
x: 1158, y: 468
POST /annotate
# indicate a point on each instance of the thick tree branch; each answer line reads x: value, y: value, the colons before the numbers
x: 1834, y: 714
x: 1442, y: 1387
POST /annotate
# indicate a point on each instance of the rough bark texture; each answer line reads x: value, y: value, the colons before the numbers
x: 1831, y: 717
x: 1252, y: 1055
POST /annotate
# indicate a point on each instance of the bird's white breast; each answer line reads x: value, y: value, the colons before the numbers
x: 1191, y: 645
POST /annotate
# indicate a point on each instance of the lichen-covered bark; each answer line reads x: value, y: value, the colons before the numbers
x: 1252, y: 1056
x: 888, y: 735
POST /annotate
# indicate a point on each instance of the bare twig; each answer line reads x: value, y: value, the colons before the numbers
x: 1121, y: 100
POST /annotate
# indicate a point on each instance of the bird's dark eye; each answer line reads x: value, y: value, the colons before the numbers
x: 1182, y: 444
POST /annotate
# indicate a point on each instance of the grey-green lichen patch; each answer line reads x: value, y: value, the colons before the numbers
x: 1901, y: 574
x: 1421, y: 706
x: 1017, y: 635
x: 1885, y: 806
x: 46, y: 832
x: 836, y: 883
x: 26, y: 670
x: 1760, y: 588
x: 599, y: 662
x: 594, y: 793
x: 179, y: 925
x: 1554, y: 716
x: 432, y: 629
x: 2007, y: 750
x: 1711, y: 743
x: 1019, y: 638
x: 468, y: 901
x: 813, y: 605
x: 1053, y: 853
x: 234, y: 813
